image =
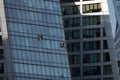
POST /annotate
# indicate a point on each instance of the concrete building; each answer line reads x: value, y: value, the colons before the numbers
x: 89, y: 40
x: 30, y: 36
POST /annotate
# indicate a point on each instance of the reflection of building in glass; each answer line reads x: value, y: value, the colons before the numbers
x: 117, y: 32
x: 31, y: 33
x: 117, y: 5
x: 89, y: 39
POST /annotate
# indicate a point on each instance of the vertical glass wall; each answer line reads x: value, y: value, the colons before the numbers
x: 35, y: 33
x: 117, y: 4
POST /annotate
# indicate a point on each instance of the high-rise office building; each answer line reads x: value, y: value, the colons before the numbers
x: 89, y: 40
x: 31, y: 41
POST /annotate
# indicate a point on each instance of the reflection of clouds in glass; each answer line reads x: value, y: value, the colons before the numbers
x: 112, y: 16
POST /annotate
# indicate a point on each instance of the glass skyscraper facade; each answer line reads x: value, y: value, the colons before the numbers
x: 89, y: 40
x: 117, y: 5
x: 117, y: 31
x: 31, y: 46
